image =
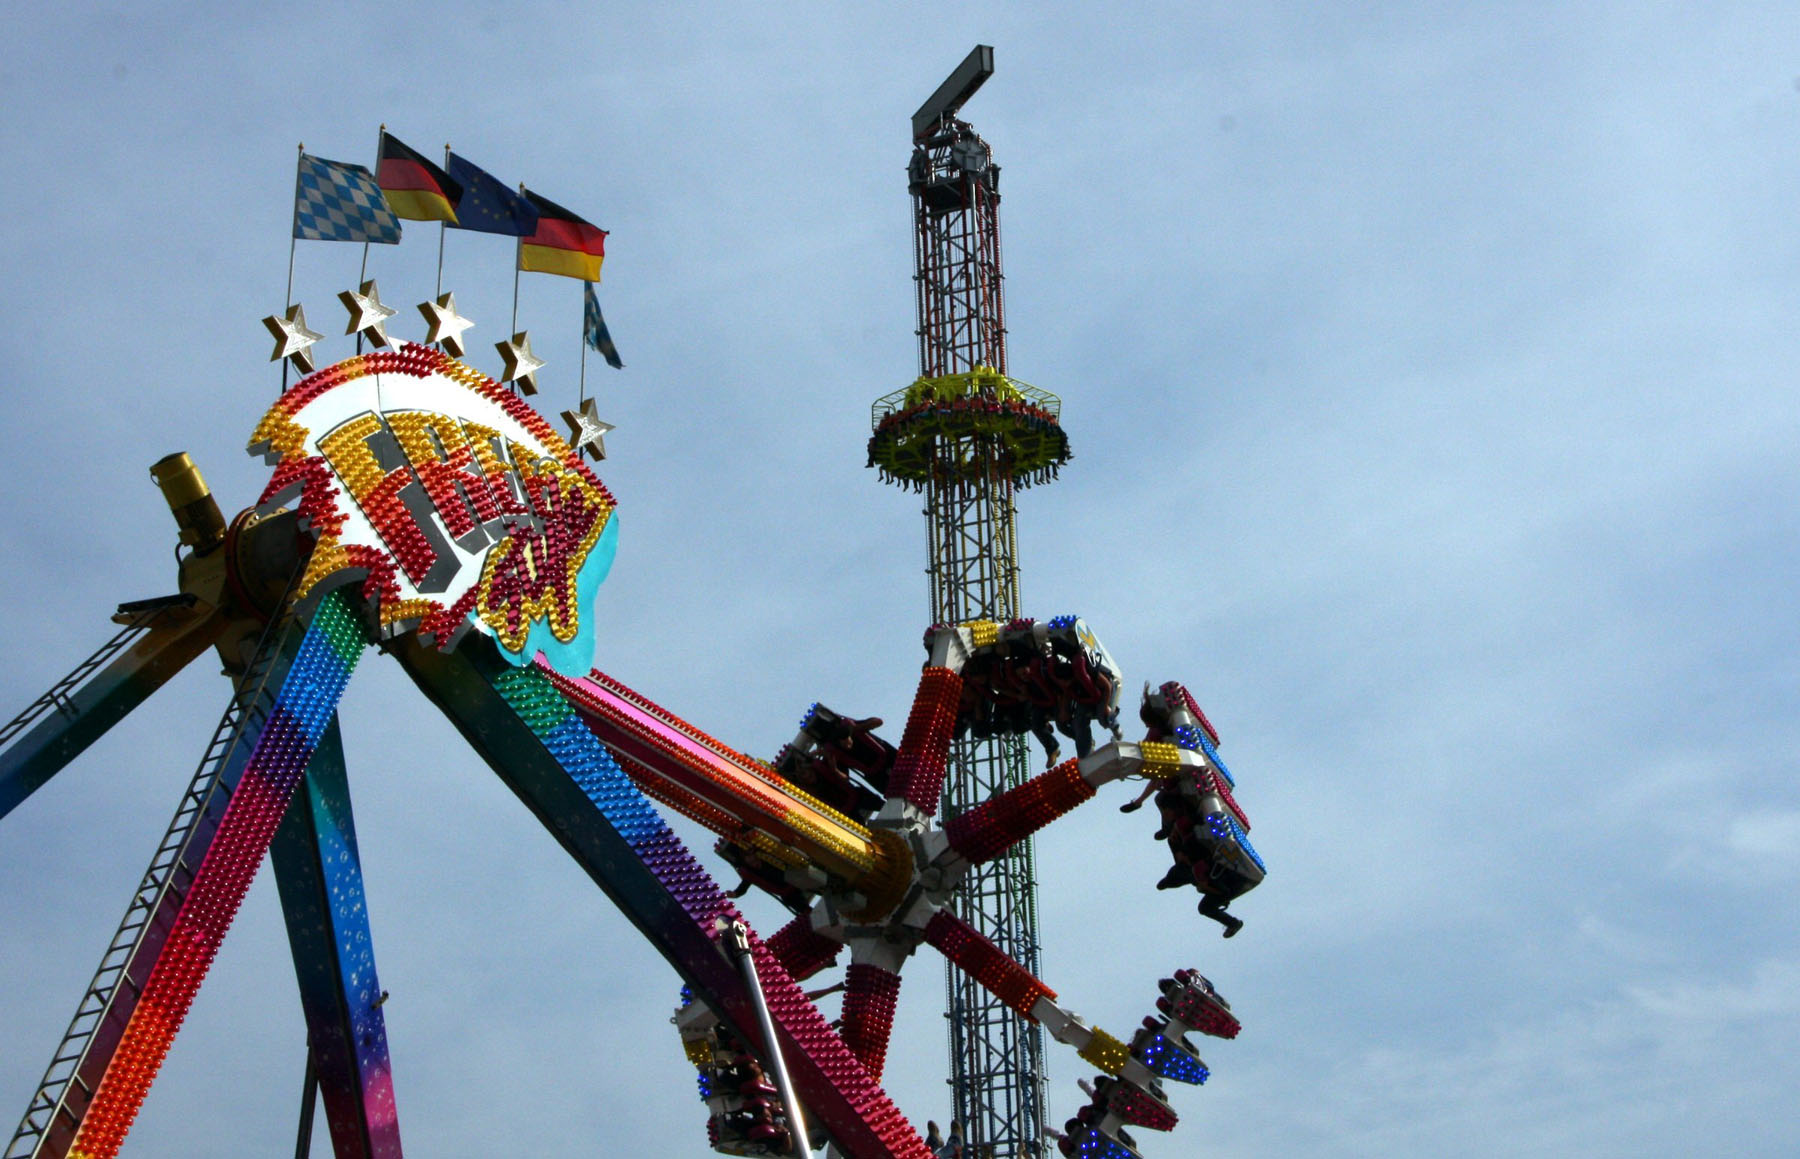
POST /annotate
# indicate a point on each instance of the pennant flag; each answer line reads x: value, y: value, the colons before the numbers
x: 487, y: 206
x: 337, y: 201
x: 563, y: 244
x: 594, y: 332
x: 415, y: 188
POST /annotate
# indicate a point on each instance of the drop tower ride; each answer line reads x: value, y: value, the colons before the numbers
x: 969, y: 437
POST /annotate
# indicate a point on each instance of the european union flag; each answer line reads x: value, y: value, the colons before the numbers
x: 337, y: 201
x: 486, y: 205
x: 593, y: 330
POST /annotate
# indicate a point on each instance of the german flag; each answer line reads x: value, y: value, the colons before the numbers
x: 563, y: 244
x: 415, y: 188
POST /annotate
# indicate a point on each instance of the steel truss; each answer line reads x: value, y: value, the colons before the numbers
x: 996, y: 1057
x: 956, y: 259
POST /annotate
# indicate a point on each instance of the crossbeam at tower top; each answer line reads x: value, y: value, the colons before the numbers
x: 958, y: 87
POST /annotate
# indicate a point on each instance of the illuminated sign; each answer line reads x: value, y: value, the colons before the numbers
x: 455, y: 503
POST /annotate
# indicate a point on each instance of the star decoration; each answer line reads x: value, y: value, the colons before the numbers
x: 446, y: 325
x: 521, y: 363
x: 586, y: 431
x: 292, y: 337
x: 367, y: 314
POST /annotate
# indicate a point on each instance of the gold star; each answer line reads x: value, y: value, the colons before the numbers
x: 292, y: 337
x: 521, y: 364
x: 367, y: 312
x: 586, y: 432
x: 446, y: 325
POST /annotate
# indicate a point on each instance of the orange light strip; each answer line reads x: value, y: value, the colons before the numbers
x: 750, y: 793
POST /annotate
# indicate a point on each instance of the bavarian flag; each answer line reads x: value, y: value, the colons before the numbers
x: 594, y: 331
x: 415, y: 188
x: 563, y: 244
x: 338, y: 201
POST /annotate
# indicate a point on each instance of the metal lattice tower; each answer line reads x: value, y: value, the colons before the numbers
x: 969, y: 437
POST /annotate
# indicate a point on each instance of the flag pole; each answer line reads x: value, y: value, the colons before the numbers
x: 581, y: 395
x: 362, y: 271
x: 518, y: 248
x: 443, y: 227
x: 518, y: 252
x: 293, y: 244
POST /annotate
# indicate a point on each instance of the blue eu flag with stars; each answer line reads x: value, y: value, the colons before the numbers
x: 486, y: 205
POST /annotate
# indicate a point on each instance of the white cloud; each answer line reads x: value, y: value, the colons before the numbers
x: 1770, y: 838
x: 1659, y: 1067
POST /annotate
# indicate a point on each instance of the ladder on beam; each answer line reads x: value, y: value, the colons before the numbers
x: 64, y: 1092
x: 143, y: 616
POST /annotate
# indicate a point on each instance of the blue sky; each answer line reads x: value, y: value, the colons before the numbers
x: 1428, y: 373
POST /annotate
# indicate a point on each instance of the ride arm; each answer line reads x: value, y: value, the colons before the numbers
x: 1017, y: 987
x: 81, y: 706
x: 918, y: 774
x: 728, y: 792
x: 802, y: 950
x: 996, y: 825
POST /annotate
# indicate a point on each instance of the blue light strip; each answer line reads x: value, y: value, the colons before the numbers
x: 319, y: 874
x: 1166, y: 1059
x: 1196, y: 740
x: 1098, y: 1146
x: 1238, y: 835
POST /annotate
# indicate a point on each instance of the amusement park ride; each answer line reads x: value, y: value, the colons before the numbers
x: 968, y: 436
x: 418, y: 506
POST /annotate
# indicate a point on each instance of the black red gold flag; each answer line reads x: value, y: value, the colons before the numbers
x: 415, y: 188
x: 563, y: 244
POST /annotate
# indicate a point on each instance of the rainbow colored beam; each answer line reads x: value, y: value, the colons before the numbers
x: 141, y: 1024
x: 318, y: 870
x: 546, y: 752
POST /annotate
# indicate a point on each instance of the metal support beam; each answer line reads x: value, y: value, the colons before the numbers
x: 128, y: 1017
x: 737, y: 944
x: 996, y: 1057
x: 80, y: 707
x: 319, y: 873
x: 309, y: 1099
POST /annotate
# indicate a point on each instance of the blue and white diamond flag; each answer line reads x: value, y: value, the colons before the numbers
x: 337, y: 201
x: 594, y: 332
